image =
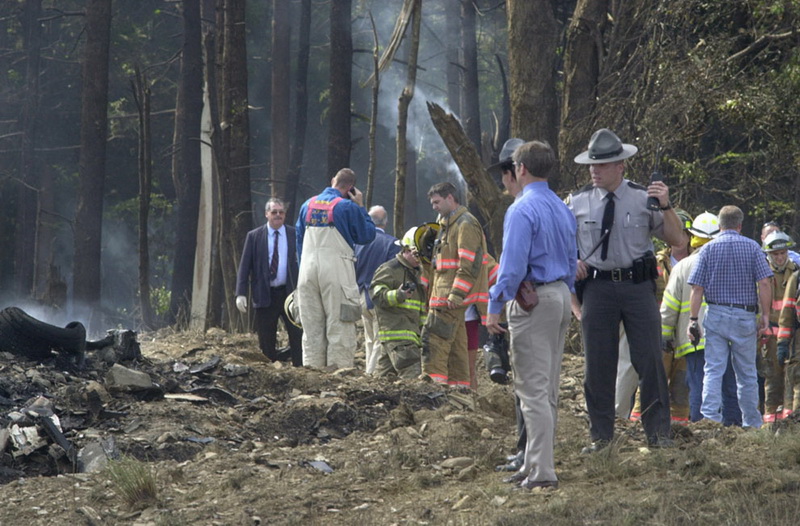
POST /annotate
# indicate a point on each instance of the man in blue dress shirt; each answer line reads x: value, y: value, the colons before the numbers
x: 538, y: 246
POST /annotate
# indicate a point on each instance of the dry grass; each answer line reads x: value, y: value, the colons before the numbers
x: 133, y: 481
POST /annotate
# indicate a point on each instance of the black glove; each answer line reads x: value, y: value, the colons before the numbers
x: 783, y: 352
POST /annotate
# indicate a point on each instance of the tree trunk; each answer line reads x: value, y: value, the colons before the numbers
x: 373, y: 121
x: 402, y: 121
x: 484, y: 191
x: 232, y: 153
x: 91, y: 178
x: 452, y: 13
x: 584, y: 50
x: 533, y: 36
x: 26, y: 239
x: 340, y: 87
x: 470, y: 100
x: 301, y: 109
x: 186, y: 170
x: 279, y: 108
x: 141, y: 95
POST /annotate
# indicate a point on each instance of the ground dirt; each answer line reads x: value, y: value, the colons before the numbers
x: 397, y: 452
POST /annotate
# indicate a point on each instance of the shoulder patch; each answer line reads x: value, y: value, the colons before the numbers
x: 636, y: 186
x: 583, y: 189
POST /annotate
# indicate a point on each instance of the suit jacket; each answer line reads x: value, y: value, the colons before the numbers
x: 372, y: 255
x: 254, y: 266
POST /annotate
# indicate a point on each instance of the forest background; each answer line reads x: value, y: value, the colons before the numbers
x: 139, y: 140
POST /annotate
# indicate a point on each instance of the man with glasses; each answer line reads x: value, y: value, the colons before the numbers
x: 268, y: 268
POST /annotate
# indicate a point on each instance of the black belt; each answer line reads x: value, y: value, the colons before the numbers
x: 748, y: 308
x: 617, y: 274
x: 543, y: 283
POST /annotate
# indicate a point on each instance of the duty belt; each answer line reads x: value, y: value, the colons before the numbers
x: 617, y: 274
x: 748, y: 308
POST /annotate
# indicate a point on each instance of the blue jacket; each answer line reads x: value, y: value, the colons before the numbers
x: 351, y: 220
x: 370, y: 257
x: 254, y: 266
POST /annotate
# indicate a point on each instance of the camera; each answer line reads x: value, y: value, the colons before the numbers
x: 409, y: 286
x: 495, y: 354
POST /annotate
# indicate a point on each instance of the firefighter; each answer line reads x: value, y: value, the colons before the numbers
x: 776, y: 245
x: 786, y: 353
x: 399, y: 296
x: 674, y: 364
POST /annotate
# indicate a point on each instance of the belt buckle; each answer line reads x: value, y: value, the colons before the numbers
x: 616, y: 274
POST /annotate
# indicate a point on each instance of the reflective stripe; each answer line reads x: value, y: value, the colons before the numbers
x: 777, y: 305
x: 784, y: 333
x: 667, y: 330
x: 393, y: 336
x: 686, y: 348
x: 462, y: 284
x: 466, y: 254
x: 458, y: 383
x: 477, y: 297
x: 438, y: 378
x: 442, y: 264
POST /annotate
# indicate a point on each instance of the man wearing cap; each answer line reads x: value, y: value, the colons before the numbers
x: 539, y: 250
x: 675, y: 322
x: 733, y: 275
x: 399, y: 297
x: 368, y: 257
x: 617, y: 264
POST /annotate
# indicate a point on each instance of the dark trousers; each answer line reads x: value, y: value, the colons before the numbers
x: 605, y: 305
x: 266, y: 325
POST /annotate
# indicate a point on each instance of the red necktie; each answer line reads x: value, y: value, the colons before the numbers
x: 273, y: 265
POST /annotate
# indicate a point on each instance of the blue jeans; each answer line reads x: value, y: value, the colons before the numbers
x: 731, y: 335
x: 731, y: 415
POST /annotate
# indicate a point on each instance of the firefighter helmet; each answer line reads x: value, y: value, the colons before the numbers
x: 706, y: 225
x: 292, y: 310
x: 424, y: 238
x: 777, y: 241
x: 686, y: 219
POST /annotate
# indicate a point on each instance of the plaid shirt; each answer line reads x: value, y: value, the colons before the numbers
x: 728, y: 269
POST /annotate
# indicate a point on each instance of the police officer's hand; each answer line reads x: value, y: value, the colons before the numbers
x: 241, y: 304
x: 783, y: 352
x: 660, y: 191
x: 582, y: 271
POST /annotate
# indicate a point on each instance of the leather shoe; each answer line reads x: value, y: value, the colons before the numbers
x: 516, y: 478
x: 660, y: 442
x: 531, y: 484
x: 514, y: 462
x: 594, y: 447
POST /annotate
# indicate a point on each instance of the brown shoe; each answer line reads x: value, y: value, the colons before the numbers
x: 531, y: 484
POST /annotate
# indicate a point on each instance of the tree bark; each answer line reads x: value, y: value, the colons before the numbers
x: 470, y: 99
x: 186, y: 170
x: 402, y: 120
x: 301, y: 109
x: 141, y: 96
x: 339, y: 135
x: 373, y: 120
x: 584, y: 51
x: 232, y: 153
x: 484, y: 191
x: 279, y: 108
x: 91, y: 178
x: 453, y: 42
x: 26, y: 265
x: 532, y: 40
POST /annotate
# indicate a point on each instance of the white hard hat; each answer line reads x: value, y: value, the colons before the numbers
x: 777, y: 241
x: 705, y: 225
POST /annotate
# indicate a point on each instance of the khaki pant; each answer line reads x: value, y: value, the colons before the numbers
x: 773, y: 373
x: 372, y: 343
x: 447, y: 361
x: 328, y: 297
x: 400, y: 358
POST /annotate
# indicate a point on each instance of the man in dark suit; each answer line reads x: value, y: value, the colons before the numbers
x: 269, y: 267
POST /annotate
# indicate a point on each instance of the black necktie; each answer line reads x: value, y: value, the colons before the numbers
x: 273, y: 265
x: 608, y: 222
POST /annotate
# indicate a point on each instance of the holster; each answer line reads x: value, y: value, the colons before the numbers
x: 645, y: 268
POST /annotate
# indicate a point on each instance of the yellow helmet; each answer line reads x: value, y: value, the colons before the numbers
x: 424, y: 238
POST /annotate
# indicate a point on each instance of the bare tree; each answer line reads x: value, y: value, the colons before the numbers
x: 141, y: 96
x: 470, y: 99
x: 91, y: 178
x: 186, y: 170
x: 301, y: 107
x: 341, y: 74
x: 533, y: 35
x: 279, y: 107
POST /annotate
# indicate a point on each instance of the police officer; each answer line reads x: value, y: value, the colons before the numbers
x: 617, y: 269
